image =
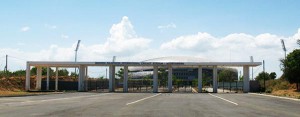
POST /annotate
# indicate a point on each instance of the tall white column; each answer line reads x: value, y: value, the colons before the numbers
x: 199, y: 79
x: 170, y: 74
x: 56, y: 78
x: 125, y: 79
x: 48, y: 75
x: 81, y: 78
x: 27, y: 84
x: 111, y: 78
x: 155, y: 79
x: 86, y: 79
x: 215, y: 79
x: 246, y: 86
x: 38, y: 78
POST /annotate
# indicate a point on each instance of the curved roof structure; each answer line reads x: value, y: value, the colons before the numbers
x: 168, y: 59
x: 177, y: 59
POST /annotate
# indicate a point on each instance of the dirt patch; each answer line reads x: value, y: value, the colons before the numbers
x: 17, y: 84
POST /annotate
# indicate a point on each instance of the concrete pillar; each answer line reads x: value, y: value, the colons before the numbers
x: 38, y: 78
x: 86, y: 79
x: 170, y: 74
x: 215, y: 79
x: 112, y: 78
x: 48, y: 75
x: 199, y: 79
x: 81, y: 78
x: 27, y: 84
x: 125, y: 79
x: 56, y: 79
x: 155, y: 79
x: 246, y: 86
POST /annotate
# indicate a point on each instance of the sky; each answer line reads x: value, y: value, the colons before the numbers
x: 135, y: 30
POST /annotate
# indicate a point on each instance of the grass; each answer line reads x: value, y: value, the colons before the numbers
x: 282, y: 88
x: 287, y: 93
x: 24, y: 93
x: 13, y: 93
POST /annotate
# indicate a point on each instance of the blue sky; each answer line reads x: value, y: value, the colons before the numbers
x: 33, y: 27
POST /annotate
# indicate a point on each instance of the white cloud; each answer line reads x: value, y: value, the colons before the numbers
x: 25, y: 28
x: 234, y: 47
x: 201, y: 41
x: 50, y: 26
x: 63, y: 36
x: 168, y: 26
x: 123, y: 40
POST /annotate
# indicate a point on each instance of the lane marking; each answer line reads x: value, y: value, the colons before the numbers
x: 143, y: 99
x: 276, y: 96
x: 223, y: 99
x: 194, y: 90
x: 47, y: 100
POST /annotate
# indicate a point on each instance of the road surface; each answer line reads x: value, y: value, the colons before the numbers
x: 148, y: 105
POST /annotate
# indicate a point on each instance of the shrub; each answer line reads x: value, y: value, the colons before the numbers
x: 274, y: 85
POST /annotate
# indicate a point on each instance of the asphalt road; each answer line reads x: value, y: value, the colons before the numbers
x: 148, y: 104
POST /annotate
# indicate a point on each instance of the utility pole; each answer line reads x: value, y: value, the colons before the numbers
x: 251, y: 60
x: 283, y: 48
x: 264, y: 75
x: 77, y: 47
x: 5, y: 68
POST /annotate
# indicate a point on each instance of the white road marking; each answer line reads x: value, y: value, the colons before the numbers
x: 223, y: 99
x: 47, y: 100
x: 276, y: 96
x: 143, y: 99
x: 194, y: 90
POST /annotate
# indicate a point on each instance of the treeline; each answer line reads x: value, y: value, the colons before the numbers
x: 291, y: 73
x: 291, y: 67
x: 20, y: 73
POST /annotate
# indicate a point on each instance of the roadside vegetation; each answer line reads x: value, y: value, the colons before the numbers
x: 289, y: 83
x: 13, y: 83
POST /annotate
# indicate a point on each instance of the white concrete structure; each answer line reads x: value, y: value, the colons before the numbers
x: 125, y: 80
x: 48, y: 76
x: 170, y: 78
x: 82, y: 84
x: 199, y: 79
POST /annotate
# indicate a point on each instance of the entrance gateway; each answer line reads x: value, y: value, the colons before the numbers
x: 82, y: 79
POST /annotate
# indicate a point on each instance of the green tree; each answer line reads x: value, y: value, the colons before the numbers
x: 163, y: 76
x: 19, y: 73
x: 44, y: 71
x: 206, y: 80
x: 241, y: 78
x: 262, y: 75
x: 74, y: 74
x: 101, y: 77
x: 272, y: 75
x: 291, y: 67
x: 228, y: 75
x: 5, y: 74
x: 120, y: 73
x: 63, y: 72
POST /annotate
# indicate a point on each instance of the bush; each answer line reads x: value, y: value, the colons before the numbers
x: 274, y: 85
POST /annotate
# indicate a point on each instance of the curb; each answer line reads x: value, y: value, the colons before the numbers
x: 24, y: 95
x: 287, y: 98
